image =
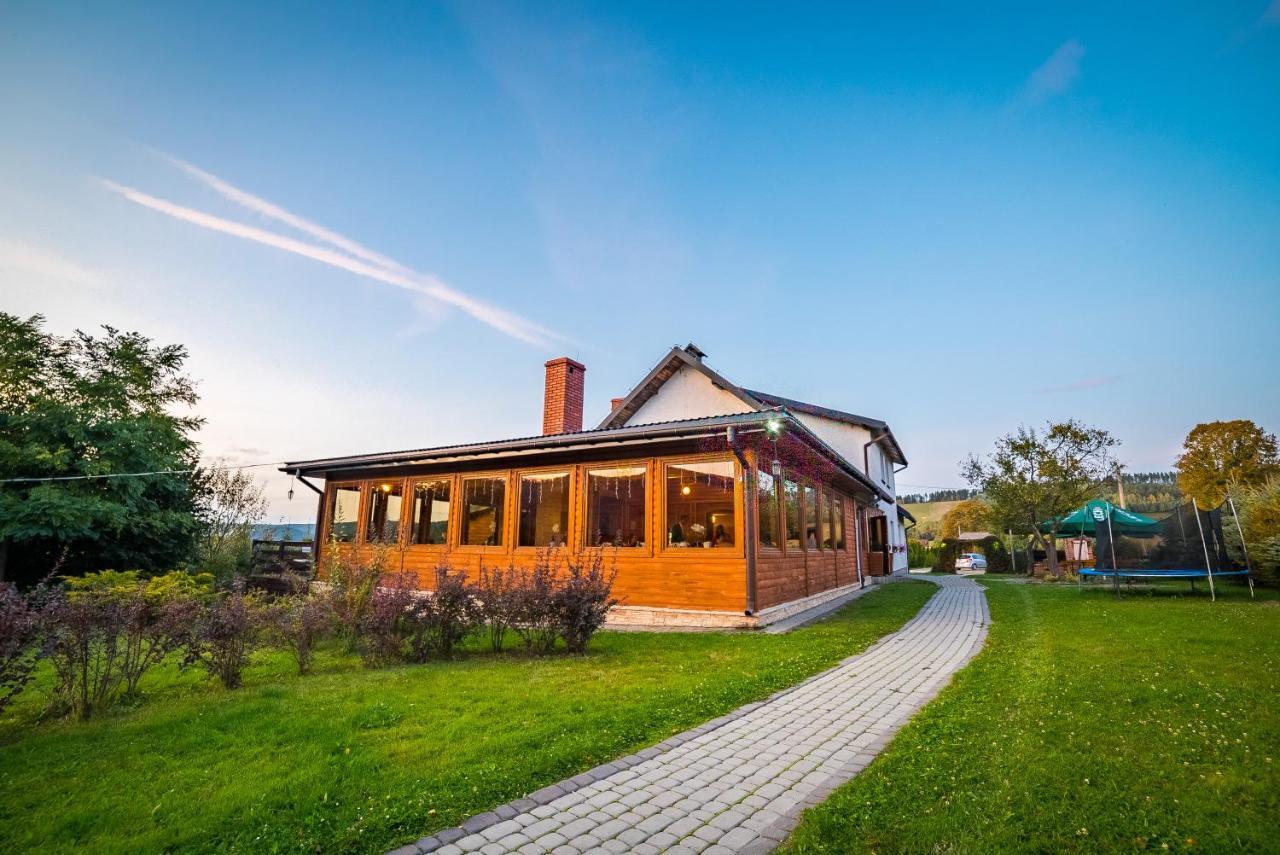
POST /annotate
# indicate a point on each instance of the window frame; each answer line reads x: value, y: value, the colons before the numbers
x: 808, y: 485
x: 504, y: 548
x: 366, y: 503
x: 838, y: 513
x: 570, y: 535
x: 779, y: 513
x: 449, y: 535
x: 332, y: 500
x: 665, y: 550
x: 785, y: 532
x: 583, y: 473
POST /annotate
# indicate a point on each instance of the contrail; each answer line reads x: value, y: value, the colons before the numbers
x: 499, y: 319
x: 275, y: 212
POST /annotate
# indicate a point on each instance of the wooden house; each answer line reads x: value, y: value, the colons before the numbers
x: 717, y: 505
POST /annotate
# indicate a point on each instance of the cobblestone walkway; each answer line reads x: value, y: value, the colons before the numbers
x: 739, y: 783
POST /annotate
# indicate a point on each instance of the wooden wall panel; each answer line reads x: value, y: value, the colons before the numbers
x: 652, y: 575
x: 786, y: 575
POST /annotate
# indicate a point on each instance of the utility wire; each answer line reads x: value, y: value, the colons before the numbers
x: 48, y: 478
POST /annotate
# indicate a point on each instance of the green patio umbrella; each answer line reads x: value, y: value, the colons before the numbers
x: 1085, y: 520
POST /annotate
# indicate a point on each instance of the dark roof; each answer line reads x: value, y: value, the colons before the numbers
x: 874, y: 425
x: 903, y: 512
x: 684, y: 428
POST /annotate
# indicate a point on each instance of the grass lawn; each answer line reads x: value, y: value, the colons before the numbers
x: 1087, y: 724
x: 354, y: 760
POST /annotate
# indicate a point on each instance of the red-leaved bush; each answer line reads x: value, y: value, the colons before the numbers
x: 298, y: 622
x: 441, y: 621
x: 20, y: 643
x: 582, y: 599
x: 533, y: 610
x: 385, y: 626
x: 498, y: 591
x: 225, y: 634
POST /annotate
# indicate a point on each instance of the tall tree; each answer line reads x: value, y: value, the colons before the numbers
x: 1034, y: 476
x: 1221, y: 457
x: 93, y: 406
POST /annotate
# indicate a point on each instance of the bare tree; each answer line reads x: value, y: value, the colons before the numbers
x: 233, y: 502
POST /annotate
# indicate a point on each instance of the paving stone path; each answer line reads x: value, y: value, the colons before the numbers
x: 739, y: 783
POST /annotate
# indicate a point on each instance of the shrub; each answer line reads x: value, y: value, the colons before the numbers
x: 582, y: 600
x: 352, y: 583
x: 533, y: 608
x: 225, y: 634
x: 945, y: 555
x: 919, y: 555
x: 1259, y: 509
x: 499, y: 595
x: 439, y: 622
x: 85, y: 648
x: 105, y: 630
x: 385, y: 623
x: 997, y: 555
x: 20, y: 647
x: 296, y: 623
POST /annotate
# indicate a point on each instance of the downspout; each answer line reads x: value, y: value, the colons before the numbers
x: 858, y: 517
x: 866, y: 454
x: 320, y: 508
x: 748, y: 519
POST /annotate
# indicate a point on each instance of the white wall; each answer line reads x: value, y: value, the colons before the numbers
x: 849, y: 441
x: 688, y: 394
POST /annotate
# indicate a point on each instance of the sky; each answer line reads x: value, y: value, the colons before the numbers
x: 371, y: 226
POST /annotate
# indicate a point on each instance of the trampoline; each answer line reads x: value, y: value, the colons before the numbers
x: 1104, y: 521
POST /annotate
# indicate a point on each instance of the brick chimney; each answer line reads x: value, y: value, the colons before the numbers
x: 614, y: 402
x: 562, y: 401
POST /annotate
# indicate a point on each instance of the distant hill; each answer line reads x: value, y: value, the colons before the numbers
x: 284, y: 531
x: 928, y: 515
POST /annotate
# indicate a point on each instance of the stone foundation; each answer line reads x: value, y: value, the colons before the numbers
x: 652, y: 617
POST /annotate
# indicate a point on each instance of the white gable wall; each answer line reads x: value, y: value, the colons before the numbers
x: 690, y: 394
x: 687, y: 394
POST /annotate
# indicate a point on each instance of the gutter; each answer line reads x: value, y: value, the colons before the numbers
x: 544, y: 445
x: 532, y: 445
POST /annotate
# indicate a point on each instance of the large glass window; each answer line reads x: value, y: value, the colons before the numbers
x: 344, y: 514
x: 825, y: 529
x: 767, y: 507
x: 384, y: 513
x: 791, y: 512
x: 483, y: 501
x: 810, y: 517
x: 837, y: 519
x: 615, y: 506
x: 544, y: 509
x: 700, y: 504
x: 430, y: 512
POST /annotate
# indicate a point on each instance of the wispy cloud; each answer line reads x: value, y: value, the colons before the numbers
x: 1055, y: 75
x: 29, y: 259
x: 1078, y: 385
x: 399, y: 276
